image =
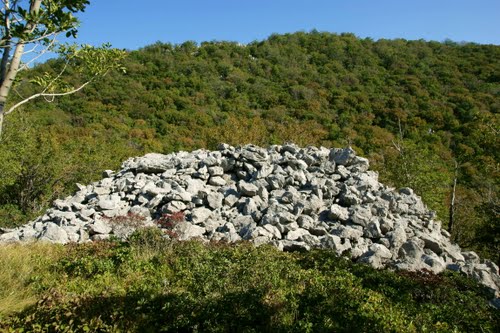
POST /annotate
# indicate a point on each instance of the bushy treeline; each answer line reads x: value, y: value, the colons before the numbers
x: 425, y: 113
x: 151, y: 284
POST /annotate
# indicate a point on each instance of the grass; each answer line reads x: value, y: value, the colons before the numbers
x: 151, y: 284
x: 22, y: 269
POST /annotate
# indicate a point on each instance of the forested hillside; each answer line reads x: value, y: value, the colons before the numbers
x: 425, y: 113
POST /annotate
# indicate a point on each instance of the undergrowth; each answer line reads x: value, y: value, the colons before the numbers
x: 152, y: 284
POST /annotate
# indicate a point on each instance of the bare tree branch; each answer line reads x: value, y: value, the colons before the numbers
x: 41, y: 53
x: 12, y: 108
x: 30, y: 41
x: 32, y: 50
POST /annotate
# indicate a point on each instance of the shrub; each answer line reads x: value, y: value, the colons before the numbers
x: 147, y: 237
x: 170, y: 220
x: 192, y: 286
x: 129, y: 220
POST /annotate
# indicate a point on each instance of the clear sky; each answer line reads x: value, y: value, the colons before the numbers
x: 132, y: 24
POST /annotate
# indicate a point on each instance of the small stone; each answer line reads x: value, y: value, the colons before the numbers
x: 108, y: 202
x: 99, y: 190
x: 263, y: 193
x: 53, y: 233
x: 372, y: 230
x: 217, y: 181
x: 99, y: 227
x: 230, y: 200
x: 83, y: 236
x: 215, y: 171
x: 397, y: 237
x: 285, y: 217
x: 288, y: 245
x: 306, y: 222
x: 343, y: 172
x: 275, y: 233
x: 180, y: 195
x: 359, y: 164
x: 411, y: 249
x: 361, y: 215
x: 342, y: 156
x: 433, y: 244
x: 349, y: 196
x: 250, y: 207
x: 347, y: 232
x: 435, y: 263
x: 214, y: 200
x: 242, y: 221
x: 211, y: 225
x: 386, y: 225
x: 186, y: 230
x: 311, y: 240
x: 9, y: 237
x: 296, y: 234
x: 193, y: 186
x: 248, y: 189
x: 264, y: 171
x: 174, y: 207
x: 200, y: 214
x: 381, y: 251
x: 335, y: 243
x: 338, y: 213
x: 372, y: 259
x: 276, y: 181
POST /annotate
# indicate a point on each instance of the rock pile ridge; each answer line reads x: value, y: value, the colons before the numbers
x: 294, y: 198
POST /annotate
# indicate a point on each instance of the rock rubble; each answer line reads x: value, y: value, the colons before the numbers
x: 294, y: 198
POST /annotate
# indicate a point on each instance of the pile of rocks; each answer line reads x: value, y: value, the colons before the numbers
x: 294, y: 198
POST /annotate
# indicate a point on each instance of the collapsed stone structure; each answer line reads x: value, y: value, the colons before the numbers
x: 294, y: 198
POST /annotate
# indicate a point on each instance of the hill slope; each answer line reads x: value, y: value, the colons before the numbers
x: 425, y: 113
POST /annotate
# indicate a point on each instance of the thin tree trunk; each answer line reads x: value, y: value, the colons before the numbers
x: 12, y: 69
x: 10, y: 76
x: 7, y: 39
x: 2, y: 105
x: 4, y: 64
x: 452, y: 202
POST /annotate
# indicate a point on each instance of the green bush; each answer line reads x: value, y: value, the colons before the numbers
x: 154, y: 284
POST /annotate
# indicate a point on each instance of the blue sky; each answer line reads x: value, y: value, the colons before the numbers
x: 132, y: 24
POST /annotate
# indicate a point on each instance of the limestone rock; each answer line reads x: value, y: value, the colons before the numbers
x: 54, y: 233
x: 338, y: 213
x: 186, y: 230
x: 99, y: 227
x: 199, y: 215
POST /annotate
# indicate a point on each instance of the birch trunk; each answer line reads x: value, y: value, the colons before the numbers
x: 452, y: 202
x: 9, y: 71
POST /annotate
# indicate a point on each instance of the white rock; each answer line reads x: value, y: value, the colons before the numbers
x: 296, y: 234
x: 200, y: 214
x: 217, y: 181
x: 53, y: 233
x: 248, y: 189
x: 186, y: 230
x: 214, y: 200
x: 9, y: 237
x: 100, y: 227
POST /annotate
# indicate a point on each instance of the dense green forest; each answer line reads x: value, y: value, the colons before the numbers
x: 425, y: 114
